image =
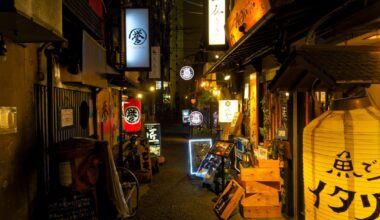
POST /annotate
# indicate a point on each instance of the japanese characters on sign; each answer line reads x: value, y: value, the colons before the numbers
x: 153, y: 134
x: 244, y: 15
x: 216, y: 22
x: 196, y: 118
x: 137, y: 38
x: 340, y: 199
x: 227, y: 110
x: 132, y: 115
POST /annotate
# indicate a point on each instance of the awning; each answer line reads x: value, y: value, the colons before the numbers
x: 328, y: 68
x: 278, y: 28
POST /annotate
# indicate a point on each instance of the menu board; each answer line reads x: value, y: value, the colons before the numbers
x: 72, y: 206
x: 222, y: 148
x: 153, y: 134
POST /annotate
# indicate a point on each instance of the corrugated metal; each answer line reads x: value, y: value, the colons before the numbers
x: 62, y: 98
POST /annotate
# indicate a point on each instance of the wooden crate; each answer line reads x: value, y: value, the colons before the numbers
x: 262, y: 198
x: 257, y: 187
x: 256, y: 211
x: 260, y: 174
x: 268, y: 163
x: 229, y: 199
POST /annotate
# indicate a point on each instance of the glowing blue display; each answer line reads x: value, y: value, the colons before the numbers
x: 198, y: 149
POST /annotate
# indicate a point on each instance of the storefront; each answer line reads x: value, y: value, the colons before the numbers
x: 273, y: 118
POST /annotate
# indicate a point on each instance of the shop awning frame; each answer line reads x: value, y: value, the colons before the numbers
x: 328, y: 67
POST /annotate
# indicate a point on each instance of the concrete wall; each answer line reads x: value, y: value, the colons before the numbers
x: 18, y: 169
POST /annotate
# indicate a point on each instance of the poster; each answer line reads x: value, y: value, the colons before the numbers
x: 153, y: 134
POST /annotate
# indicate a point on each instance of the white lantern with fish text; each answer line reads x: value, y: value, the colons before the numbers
x: 341, y: 162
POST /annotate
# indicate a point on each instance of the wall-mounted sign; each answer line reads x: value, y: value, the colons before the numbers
x: 227, y: 110
x: 8, y: 120
x: 67, y: 117
x: 137, y: 38
x: 186, y: 72
x: 244, y: 15
x: 195, y: 118
x: 153, y: 134
x: 132, y: 115
x: 216, y: 22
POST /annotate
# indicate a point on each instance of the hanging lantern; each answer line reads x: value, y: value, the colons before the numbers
x: 341, y: 162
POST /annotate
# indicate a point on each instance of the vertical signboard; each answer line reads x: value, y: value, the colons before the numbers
x: 132, y: 115
x: 137, y: 38
x: 216, y: 22
x: 227, y: 110
x: 153, y: 134
x: 156, y: 64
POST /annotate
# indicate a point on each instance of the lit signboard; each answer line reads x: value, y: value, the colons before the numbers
x: 185, y: 116
x: 186, y: 72
x: 216, y: 22
x: 196, y: 118
x: 198, y: 149
x: 137, y: 38
x: 244, y: 15
x: 153, y: 134
x: 227, y: 110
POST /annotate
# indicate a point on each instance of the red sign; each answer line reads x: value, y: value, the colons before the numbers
x: 132, y: 115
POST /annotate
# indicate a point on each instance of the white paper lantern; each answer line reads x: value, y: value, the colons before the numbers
x: 341, y: 162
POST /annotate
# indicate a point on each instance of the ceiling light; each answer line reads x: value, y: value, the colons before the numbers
x: 151, y: 88
x: 139, y: 95
x: 216, y: 56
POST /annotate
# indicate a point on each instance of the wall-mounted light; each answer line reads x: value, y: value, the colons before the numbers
x: 216, y: 56
x: 3, y: 48
x: 152, y: 88
x: 227, y: 77
x: 139, y: 96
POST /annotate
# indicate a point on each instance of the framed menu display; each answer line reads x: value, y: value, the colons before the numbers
x: 222, y: 148
x: 198, y: 148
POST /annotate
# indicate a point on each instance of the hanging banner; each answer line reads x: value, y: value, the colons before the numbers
x: 216, y: 22
x: 137, y: 38
x: 153, y: 134
x: 227, y: 110
x: 132, y: 115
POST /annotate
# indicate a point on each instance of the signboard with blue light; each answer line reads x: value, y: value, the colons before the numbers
x: 198, y: 149
x: 137, y: 38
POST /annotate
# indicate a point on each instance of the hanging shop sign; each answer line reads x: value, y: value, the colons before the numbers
x: 227, y: 110
x: 341, y: 166
x: 153, y: 134
x: 185, y: 116
x: 137, y: 39
x: 195, y: 118
x: 216, y: 22
x: 156, y: 63
x: 198, y: 148
x: 244, y: 15
x: 132, y: 115
x: 186, y: 72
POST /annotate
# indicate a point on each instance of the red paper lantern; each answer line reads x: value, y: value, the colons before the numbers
x: 132, y: 115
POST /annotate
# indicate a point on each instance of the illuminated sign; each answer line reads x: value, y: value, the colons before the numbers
x: 227, y: 110
x: 196, y: 118
x: 244, y: 15
x: 132, y: 115
x: 153, y: 134
x: 198, y: 148
x: 186, y: 72
x: 137, y: 38
x: 185, y: 116
x: 216, y: 22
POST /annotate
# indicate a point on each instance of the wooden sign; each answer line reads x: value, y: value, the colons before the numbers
x: 229, y: 199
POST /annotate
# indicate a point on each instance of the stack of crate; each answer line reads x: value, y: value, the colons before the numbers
x: 262, y: 185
